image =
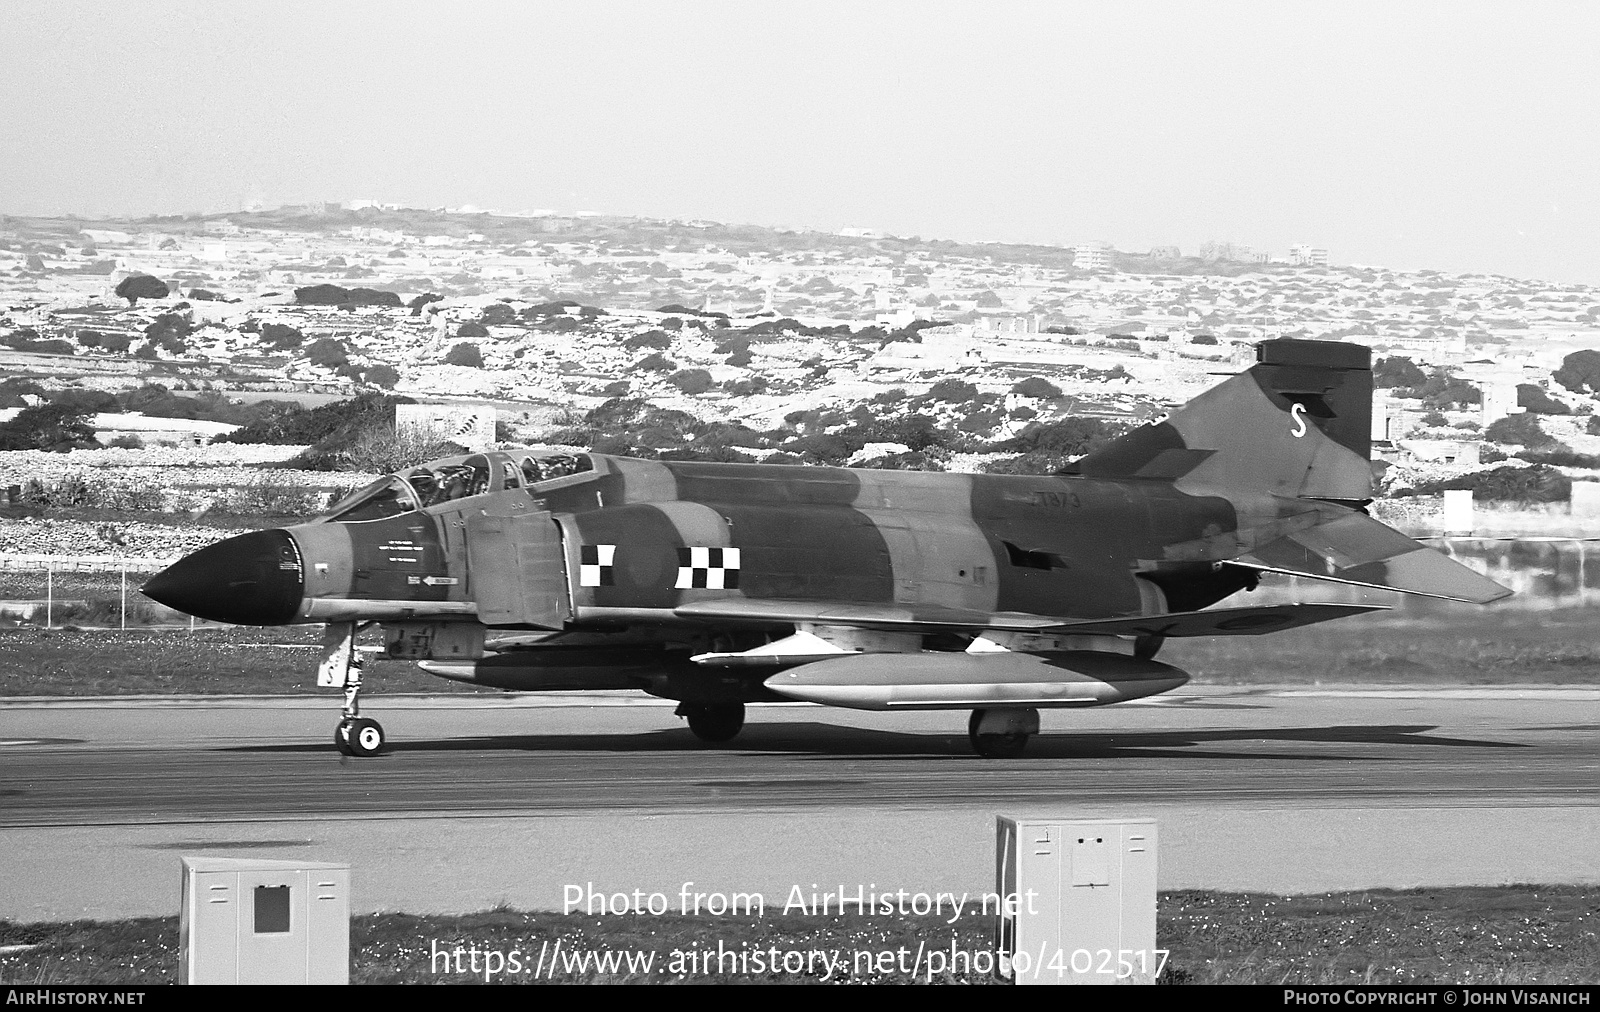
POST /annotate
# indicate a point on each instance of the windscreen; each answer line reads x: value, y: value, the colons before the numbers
x: 385, y: 497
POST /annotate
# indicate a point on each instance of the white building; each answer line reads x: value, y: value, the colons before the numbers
x: 1091, y: 257
x: 1499, y: 399
x: 1306, y: 255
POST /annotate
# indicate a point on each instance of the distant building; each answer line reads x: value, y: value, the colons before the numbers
x: 1021, y: 324
x: 1164, y: 253
x: 471, y: 426
x: 1306, y: 255
x: 1091, y: 257
x: 1499, y: 400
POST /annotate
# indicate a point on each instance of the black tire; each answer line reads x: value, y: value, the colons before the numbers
x: 341, y: 737
x: 366, y: 737
x: 1000, y: 746
x: 715, y: 722
x: 994, y: 746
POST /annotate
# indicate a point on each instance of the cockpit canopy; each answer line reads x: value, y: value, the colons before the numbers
x: 451, y: 478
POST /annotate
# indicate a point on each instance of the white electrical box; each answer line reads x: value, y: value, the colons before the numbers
x: 264, y: 922
x: 1078, y: 901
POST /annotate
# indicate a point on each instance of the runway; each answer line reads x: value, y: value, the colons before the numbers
x: 512, y: 798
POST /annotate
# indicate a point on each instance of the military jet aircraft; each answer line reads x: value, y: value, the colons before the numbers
x: 720, y: 584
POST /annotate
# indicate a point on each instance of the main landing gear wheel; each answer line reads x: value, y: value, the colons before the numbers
x: 359, y: 736
x: 715, y: 721
x: 997, y: 744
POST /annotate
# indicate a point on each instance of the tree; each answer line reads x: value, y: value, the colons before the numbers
x: 1442, y: 390
x: 656, y: 362
x: 497, y: 315
x: 691, y: 381
x: 1398, y: 371
x: 54, y: 427
x: 1533, y: 397
x: 167, y: 332
x: 470, y: 329
x: 1203, y: 339
x: 656, y: 339
x: 1580, y: 371
x: 1519, y: 430
x: 327, y: 352
x: 1067, y: 437
x: 14, y: 392
x: 88, y: 402
x: 466, y: 353
x: 954, y: 391
x: 1036, y: 386
x: 141, y: 286
x: 281, y: 336
x: 321, y: 295
x: 381, y: 375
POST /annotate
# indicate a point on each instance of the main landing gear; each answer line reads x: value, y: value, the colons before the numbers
x: 1002, y: 733
x: 713, y: 721
x: 341, y: 668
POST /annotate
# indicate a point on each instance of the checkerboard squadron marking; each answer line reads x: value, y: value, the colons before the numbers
x: 708, y: 569
x: 594, y: 567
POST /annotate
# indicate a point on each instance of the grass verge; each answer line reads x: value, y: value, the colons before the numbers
x: 208, y: 661
x: 1512, y: 934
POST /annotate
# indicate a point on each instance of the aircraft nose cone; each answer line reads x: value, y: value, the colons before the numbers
x: 252, y: 579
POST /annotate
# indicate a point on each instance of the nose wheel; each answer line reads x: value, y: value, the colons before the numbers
x: 359, y: 736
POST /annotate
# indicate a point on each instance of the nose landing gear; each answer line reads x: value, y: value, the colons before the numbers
x: 341, y: 666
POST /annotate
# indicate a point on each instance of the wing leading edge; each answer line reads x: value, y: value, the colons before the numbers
x: 1215, y: 622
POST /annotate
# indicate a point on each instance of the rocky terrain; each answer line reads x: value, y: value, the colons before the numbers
x: 673, y: 338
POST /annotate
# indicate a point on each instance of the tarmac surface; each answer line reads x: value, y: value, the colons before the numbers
x: 522, y: 799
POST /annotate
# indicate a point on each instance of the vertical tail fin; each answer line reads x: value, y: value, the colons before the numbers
x: 1298, y: 423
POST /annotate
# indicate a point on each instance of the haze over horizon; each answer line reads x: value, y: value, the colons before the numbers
x: 1451, y: 137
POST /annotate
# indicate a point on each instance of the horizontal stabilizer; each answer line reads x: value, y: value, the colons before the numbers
x: 1357, y: 549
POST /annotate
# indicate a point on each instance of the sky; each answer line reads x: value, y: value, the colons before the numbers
x: 1458, y: 136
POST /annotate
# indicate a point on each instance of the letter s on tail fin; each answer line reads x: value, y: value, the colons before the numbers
x: 1298, y: 424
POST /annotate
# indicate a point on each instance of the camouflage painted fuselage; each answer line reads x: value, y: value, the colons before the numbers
x: 640, y: 539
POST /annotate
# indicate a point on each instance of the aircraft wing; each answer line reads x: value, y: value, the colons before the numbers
x: 1216, y: 622
x: 1356, y: 549
x: 927, y: 618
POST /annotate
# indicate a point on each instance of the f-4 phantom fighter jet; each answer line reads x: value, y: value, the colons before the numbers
x: 719, y: 584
